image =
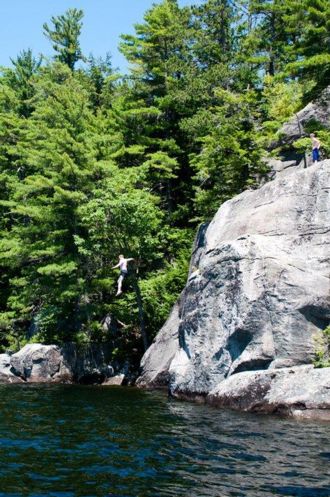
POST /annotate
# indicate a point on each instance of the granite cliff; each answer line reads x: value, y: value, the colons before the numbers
x: 258, y: 296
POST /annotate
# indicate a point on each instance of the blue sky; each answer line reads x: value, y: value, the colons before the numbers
x: 104, y: 22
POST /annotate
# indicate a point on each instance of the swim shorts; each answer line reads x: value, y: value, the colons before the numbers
x: 316, y: 154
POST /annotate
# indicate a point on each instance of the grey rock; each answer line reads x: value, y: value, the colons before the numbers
x: 156, y: 361
x: 261, y: 293
x: 198, y: 250
x: 319, y: 111
x: 6, y: 374
x: 116, y: 380
x: 281, y: 168
x: 89, y: 363
x: 36, y: 363
x: 4, y: 361
x: 301, y: 391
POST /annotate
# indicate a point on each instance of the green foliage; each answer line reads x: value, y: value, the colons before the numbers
x: 280, y: 101
x: 21, y: 79
x: 230, y: 157
x: 65, y: 36
x: 303, y: 145
x: 308, y: 23
x: 269, y: 39
x: 93, y: 164
x: 322, y: 359
x: 161, y: 289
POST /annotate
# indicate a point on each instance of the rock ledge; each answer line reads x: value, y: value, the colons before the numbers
x: 302, y: 392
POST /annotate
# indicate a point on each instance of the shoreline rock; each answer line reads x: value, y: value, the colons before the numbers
x: 160, y: 354
x: 6, y: 373
x: 301, y: 392
x: 37, y: 363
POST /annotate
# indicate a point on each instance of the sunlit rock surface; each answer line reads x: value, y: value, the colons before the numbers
x: 156, y: 361
x: 317, y: 112
x: 37, y: 363
x: 6, y: 373
x: 301, y: 391
x: 260, y: 296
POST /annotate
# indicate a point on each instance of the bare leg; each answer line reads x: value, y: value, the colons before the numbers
x: 120, y: 282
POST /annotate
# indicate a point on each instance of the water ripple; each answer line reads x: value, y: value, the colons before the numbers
x: 80, y: 441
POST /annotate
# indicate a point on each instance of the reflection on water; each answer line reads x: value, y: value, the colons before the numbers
x: 69, y: 441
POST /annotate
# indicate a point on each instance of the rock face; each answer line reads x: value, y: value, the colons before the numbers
x: 317, y: 111
x: 261, y: 293
x: 156, y: 361
x: 301, y: 391
x: 36, y: 363
x: 283, y: 168
x: 6, y: 373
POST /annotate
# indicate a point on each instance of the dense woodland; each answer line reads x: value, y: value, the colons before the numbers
x: 94, y: 163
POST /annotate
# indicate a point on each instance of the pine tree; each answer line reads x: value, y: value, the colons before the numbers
x: 11, y: 129
x: 268, y: 40
x: 229, y: 158
x: 214, y: 32
x: 100, y: 80
x: 65, y: 36
x: 26, y: 66
x: 160, y: 56
x: 58, y: 150
x: 308, y: 23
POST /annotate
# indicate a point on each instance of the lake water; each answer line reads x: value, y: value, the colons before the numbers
x: 68, y: 441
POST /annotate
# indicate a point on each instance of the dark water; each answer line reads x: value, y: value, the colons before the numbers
x: 65, y: 441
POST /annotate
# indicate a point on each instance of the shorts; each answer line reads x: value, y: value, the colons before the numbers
x: 123, y: 273
x: 316, y: 154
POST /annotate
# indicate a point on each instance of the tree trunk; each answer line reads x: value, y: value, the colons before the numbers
x: 141, y: 312
x: 300, y: 133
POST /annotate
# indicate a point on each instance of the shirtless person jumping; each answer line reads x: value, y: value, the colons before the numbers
x: 122, y: 264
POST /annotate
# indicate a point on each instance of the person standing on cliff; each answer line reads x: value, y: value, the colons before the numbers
x: 315, y: 148
x: 122, y: 264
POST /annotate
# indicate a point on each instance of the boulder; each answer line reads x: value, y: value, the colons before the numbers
x: 6, y: 374
x: 116, y: 380
x: 260, y: 295
x: 301, y: 391
x: 89, y: 363
x: 36, y: 363
x: 281, y: 168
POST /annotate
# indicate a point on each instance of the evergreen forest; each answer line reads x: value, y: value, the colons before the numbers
x: 94, y: 163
